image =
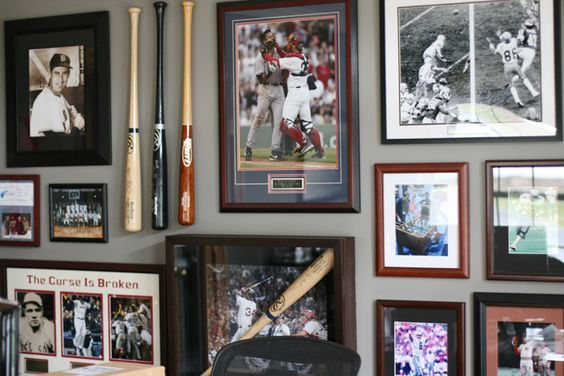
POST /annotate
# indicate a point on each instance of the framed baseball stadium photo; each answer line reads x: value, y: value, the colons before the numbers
x: 519, y: 334
x: 525, y: 220
x: 78, y: 212
x: 289, y: 130
x: 19, y: 210
x: 76, y: 313
x: 226, y: 287
x: 478, y: 70
x: 420, y: 338
x: 58, y: 90
x: 422, y: 220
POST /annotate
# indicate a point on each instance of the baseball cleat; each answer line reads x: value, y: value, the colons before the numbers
x: 276, y: 155
x: 248, y: 154
x: 319, y: 153
x: 305, y: 149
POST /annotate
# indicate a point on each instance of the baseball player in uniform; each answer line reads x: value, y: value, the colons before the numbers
x: 528, y: 38
x: 132, y: 321
x: 525, y: 350
x: 433, y: 52
x: 270, y: 97
x: 507, y: 49
x: 297, y: 99
x: 80, y: 307
x: 311, y: 327
x: 245, y: 313
x: 280, y: 328
x: 120, y: 337
x: 37, y: 334
x: 418, y: 344
x: 542, y: 352
x: 51, y: 113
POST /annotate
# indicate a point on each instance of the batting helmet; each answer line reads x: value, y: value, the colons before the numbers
x: 506, y: 36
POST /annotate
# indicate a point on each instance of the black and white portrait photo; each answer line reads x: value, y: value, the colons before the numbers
x: 56, y: 86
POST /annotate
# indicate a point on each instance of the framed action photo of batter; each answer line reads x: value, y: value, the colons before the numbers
x: 19, y: 210
x: 86, y: 313
x: 420, y: 338
x: 422, y: 220
x: 519, y: 334
x: 78, y: 212
x: 470, y: 70
x: 223, y: 285
x: 289, y: 130
x: 525, y: 220
x: 58, y: 91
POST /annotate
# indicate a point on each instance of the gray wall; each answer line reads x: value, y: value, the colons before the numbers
x: 148, y: 245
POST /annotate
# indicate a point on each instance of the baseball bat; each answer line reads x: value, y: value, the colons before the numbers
x: 133, y: 164
x: 305, y: 282
x: 186, y: 186
x: 159, y: 219
x: 259, y: 283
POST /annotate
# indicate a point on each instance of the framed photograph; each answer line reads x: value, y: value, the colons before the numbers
x: 519, y: 334
x: 470, y: 70
x: 19, y: 210
x: 58, y: 90
x: 86, y: 313
x: 78, y: 212
x: 221, y: 285
x: 289, y: 130
x: 420, y: 338
x: 422, y: 220
x: 525, y: 225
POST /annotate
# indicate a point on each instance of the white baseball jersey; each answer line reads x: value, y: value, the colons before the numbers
x: 40, y: 341
x: 132, y: 321
x: 119, y: 326
x: 418, y: 345
x: 80, y: 309
x: 297, y: 65
x: 281, y: 330
x: 434, y: 50
x: 508, y: 51
x: 313, y: 328
x: 427, y: 74
x: 49, y: 113
x: 246, y: 312
x: 528, y: 37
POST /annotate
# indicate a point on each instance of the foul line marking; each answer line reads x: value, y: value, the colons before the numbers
x: 417, y: 17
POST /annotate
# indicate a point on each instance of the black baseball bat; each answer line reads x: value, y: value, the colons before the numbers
x: 160, y: 178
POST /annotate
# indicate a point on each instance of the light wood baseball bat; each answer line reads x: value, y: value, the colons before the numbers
x: 186, y: 180
x: 133, y: 210
x: 305, y: 282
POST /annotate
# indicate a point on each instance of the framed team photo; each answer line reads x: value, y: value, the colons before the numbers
x: 19, y: 210
x: 422, y: 220
x: 131, y: 328
x: 77, y: 313
x: 480, y: 70
x: 519, y: 334
x: 82, y: 325
x: 524, y: 220
x: 420, y: 338
x: 78, y: 212
x: 239, y: 278
x: 58, y: 90
x: 289, y: 130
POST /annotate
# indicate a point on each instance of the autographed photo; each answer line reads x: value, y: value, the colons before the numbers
x: 471, y: 69
x: 19, y: 203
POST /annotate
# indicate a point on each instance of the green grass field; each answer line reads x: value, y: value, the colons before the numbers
x: 260, y: 159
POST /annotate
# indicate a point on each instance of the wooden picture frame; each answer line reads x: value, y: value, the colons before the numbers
x: 78, y: 212
x: 199, y: 264
x: 58, y: 90
x: 311, y: 164
x: 422, y: 220
x: 501, y: 322
x: 20, y: 202
x: 523, y: 220
x: 470, y: 71
x: 93, y: 285
x: 438, y: 327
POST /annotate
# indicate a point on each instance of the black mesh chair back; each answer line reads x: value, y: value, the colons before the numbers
x: 285, y: 356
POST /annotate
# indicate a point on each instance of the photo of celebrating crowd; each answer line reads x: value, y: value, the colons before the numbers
x: 131, y: 329
x: 82, y: 325
x: 471, y: 63
x: 237, y: 295
x: 16, y: 225
x: 421, y: 349
x: 77, y: 213
x: 526, y: 348
x: 286, y: 83
x: 422, y: 219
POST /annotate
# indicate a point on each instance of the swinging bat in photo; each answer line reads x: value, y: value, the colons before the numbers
x: 305, y: 282
x: 159, y: 218
x: 133, y: 163
x: 258, y: 283
x: 186, y: 176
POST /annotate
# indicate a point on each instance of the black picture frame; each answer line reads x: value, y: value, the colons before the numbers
x: 522, y: 220
x: 79, y: 130
x: 20, y: 197
x: 472, y: 45
x: 60, y: 279
x: 502, y: 318
x: 325, y: 180
x: 78, y: 212
x: 190, y: 258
